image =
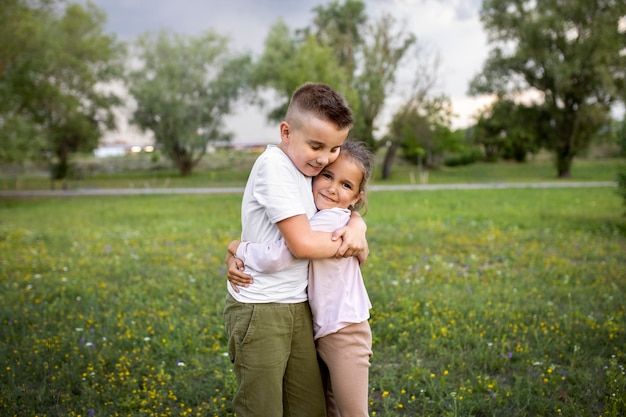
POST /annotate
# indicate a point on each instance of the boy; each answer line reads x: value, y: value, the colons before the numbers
x: 268, y: 323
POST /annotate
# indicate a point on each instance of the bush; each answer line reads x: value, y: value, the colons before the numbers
x: 469, y: 157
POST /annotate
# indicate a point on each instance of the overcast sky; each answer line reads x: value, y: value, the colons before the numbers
x: 449, y: 27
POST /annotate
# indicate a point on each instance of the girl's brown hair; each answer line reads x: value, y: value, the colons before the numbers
x: 359, y: 153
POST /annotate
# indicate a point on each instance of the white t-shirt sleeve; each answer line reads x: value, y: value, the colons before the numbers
x: 278, y: 190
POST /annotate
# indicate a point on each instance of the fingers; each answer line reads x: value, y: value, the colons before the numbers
x: 239, y: 282
x: 339, y: 234
x: 362, y: 256
x: 234, y: 287
x: 236, y: 277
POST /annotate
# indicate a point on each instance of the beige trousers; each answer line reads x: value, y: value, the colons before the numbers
x: 344, y: 363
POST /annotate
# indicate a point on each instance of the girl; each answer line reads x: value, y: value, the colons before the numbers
x: 337, y: 295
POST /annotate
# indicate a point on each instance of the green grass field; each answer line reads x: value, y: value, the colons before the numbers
x: 505, y: 302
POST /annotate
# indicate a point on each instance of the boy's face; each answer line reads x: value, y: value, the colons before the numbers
x: 338, y: 184
x: 313, y: 145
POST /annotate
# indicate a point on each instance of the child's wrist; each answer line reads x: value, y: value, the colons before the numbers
x: 228, y: 258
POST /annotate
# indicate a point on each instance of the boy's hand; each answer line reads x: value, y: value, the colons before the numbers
x: 354, y: 242
x: 351, y: 245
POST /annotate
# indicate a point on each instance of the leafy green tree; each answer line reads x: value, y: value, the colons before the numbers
x: 369, y: 52
x: 20, y: 138
x: 566, y: 51
x: 342, y: 49
x: 340, y: 26
x: 184, y: 87
x: 291, y: 58
x: 422, y: 129
x: 384, y: 48
x: 510, y: 130
x: 53, y: 64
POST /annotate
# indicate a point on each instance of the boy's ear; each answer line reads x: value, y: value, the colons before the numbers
x: 285, y: 130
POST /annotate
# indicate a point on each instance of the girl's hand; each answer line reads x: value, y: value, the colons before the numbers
x: 235, y: 274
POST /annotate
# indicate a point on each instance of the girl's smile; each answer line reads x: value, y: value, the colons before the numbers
x: 338, y: 185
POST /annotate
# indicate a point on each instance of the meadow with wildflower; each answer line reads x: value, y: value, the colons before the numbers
x: 485, y: 303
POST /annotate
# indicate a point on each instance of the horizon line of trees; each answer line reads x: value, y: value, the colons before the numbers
x: 56, y: 62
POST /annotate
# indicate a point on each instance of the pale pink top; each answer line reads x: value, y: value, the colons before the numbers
x: 336, y: 290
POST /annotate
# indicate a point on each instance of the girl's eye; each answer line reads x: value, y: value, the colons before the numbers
x: 346, y: 185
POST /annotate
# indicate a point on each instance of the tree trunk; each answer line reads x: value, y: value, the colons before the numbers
x: 491, y: 152
x: 564, y: 165
x: 564, y: 157
x: 182, y: 159
x: 185, y: 167
x: 59, y: 170
x: 389, y: 158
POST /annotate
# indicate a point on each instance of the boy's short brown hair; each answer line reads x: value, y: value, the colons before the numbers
x: 321, y: 101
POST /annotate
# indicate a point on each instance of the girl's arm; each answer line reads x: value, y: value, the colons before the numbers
x: 236, y: 276
x: 265, y: 257
x: 262, y: 257
x: 300, y: 241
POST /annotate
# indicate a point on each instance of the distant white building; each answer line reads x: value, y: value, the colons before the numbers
x: 107, y: 151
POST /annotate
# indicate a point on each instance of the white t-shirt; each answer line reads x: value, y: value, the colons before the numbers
x: 276, y: 190
x: 337, y: 293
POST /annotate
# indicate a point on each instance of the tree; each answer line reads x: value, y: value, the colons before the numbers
x: 384, y: 49
x: 419, y: 112
x: 340, y: 48
x: 21, y: 139
x: 566, y: 51
x: 421, y: 128
x: 291, y: 58
x: 510, y: 130
x: 52, y: 67
x: 369, y: 52
x: 340, y: 26
x: 184, y: 86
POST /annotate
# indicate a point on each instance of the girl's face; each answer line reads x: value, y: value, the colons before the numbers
x: 338, y: 184
x: 312, y: 146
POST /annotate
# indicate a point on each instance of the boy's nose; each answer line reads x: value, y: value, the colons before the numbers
x: 323, y: 159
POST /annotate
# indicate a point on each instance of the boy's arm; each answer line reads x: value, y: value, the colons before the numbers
x: 305, y: 243
x: 310, y: 244
x: 353, y: 240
